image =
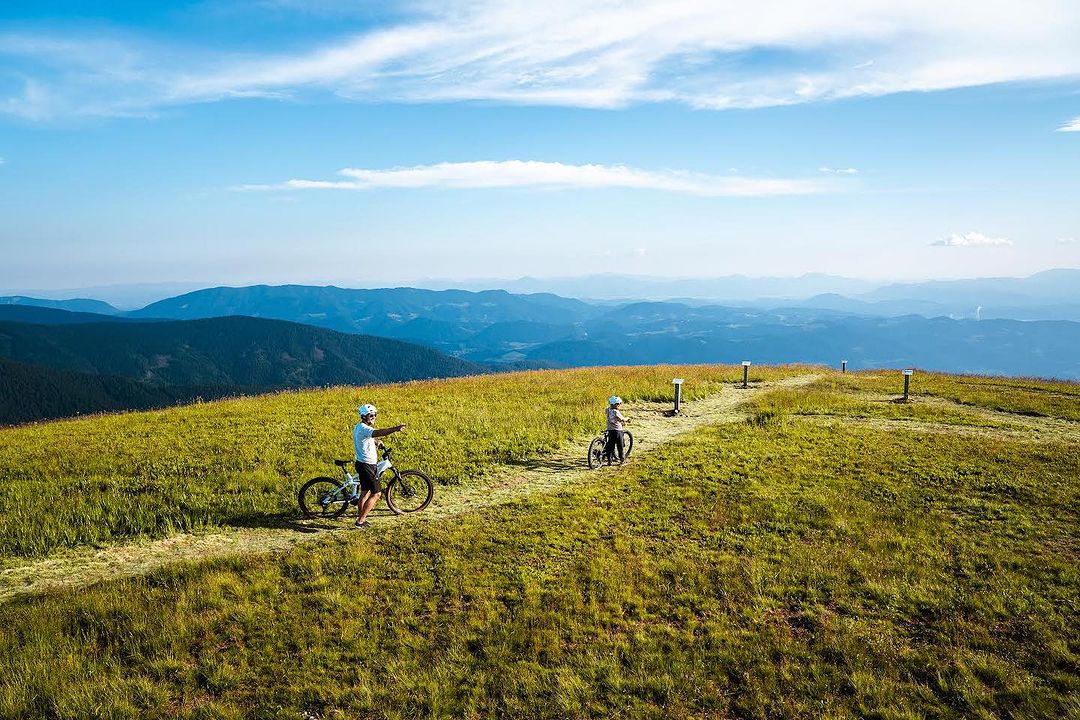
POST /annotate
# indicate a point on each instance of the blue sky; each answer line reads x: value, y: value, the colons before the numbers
x: 240, y: 141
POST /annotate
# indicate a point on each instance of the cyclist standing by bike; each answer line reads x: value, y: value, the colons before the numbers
x: 367, y: 459
x: 615, y: 422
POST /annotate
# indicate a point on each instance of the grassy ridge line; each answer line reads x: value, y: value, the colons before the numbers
x: 234, y: 462
x: 777, y: 570
x: 1025, y: 396
x: 81, y: 567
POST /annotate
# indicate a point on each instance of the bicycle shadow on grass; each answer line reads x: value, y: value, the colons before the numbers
x: 283, y: 521
x: 552, y: 465
x: 298, y: 523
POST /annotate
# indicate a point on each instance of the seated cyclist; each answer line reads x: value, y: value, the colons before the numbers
x: 367, y: 459
x: 615, y: 422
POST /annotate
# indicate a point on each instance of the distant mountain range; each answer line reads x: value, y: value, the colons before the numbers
x: 648, y: 333
x: 403, y: 313
x: 496, y: 326
x: 127, y: 296
x: 1049, y: 295
x: 85, y: 305
x: 610, y: 286
x: 219, y: 340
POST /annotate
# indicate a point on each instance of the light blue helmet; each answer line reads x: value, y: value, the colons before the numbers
x: 614, y: 400
x: 366, y: 409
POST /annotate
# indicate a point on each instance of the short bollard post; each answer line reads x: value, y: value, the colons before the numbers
x: 677, y: 382
x: 907, y: 384
x: 745, y: 372
x: 843, y: 366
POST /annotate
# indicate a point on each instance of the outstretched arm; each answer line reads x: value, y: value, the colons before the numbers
x: 383, y: 432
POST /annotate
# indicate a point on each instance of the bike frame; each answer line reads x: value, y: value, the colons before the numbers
x: 352, y: 482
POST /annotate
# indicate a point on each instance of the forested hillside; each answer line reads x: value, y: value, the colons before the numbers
x: 51, y: 316
x: 35, y: 392
x: 181, y: 360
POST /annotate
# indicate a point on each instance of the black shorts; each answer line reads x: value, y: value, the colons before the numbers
x: 369, y: 477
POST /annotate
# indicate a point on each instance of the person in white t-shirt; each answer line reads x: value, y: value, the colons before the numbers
x: 367, y: 459
x: 615, y: 422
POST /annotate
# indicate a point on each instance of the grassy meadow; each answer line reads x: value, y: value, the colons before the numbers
x: 792, y: 565
x: 99, y: 479
x: 1023, y: 396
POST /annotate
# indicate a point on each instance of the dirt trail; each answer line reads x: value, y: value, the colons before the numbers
x: 651, y: 428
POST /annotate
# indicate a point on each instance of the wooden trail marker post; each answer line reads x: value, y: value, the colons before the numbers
x: 677, y: 382
x: 745, y: 372
x: 843, y: 366
x: 907, y: 384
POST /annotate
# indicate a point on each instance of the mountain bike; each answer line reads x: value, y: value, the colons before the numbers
x: 596, y: 447
x: 407, y: 491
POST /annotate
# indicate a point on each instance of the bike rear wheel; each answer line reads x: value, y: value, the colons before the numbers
x: 410, y: 491
x: 596, y: 452
x: 322, y: 498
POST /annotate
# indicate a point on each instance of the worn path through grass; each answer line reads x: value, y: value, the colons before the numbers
x: 650, y: 426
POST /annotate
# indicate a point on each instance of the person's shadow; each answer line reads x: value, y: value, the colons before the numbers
x: 298, y: 523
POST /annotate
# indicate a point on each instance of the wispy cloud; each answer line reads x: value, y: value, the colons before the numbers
x: 971, y: 239
x: 585, y: 53
x: 838, y: 171
x: 1067, y: 241
x: 556, y: 176
x: 1071, y: 126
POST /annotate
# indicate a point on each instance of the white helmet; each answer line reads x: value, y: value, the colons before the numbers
x: 614, y: 400
x: 366, y: 409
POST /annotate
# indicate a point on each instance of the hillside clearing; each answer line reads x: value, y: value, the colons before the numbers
x: 839, y: 555
x: 651, y: 427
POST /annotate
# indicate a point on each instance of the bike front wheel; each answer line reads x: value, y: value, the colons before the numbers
x: 628, y: 443
x: 410, y: 491
x: 596, y: 452
x: 322, y: 498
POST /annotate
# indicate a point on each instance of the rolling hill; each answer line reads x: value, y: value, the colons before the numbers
x: 181, y: 359
x: 804, y: 548
x: 52, y: 316
x: 33, y: 392
x: 84, y: 305
x: 387, y: 312
x: 498, y: 327
x: 645, y: 333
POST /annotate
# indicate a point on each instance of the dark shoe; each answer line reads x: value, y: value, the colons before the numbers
x: 361, y: 525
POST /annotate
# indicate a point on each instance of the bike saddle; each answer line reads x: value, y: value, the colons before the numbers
x: 342, y: 463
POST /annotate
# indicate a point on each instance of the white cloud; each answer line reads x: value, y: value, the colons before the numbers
x: 838, y: 171
x: 1071, y: 126
x: 640, y: 252
x: 557, y: 176
x: 1068, y: 241
x: 586, y: 53
x: 2, y: 161
x: 971, y: 239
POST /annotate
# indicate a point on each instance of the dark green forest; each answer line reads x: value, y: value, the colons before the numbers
x: 33, y: 392
x: 60, y: 370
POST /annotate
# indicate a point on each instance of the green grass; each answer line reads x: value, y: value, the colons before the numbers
x: 773, y: 570
x: 1023, y: 396
x: 106, y: 478
x: 837, y: 396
